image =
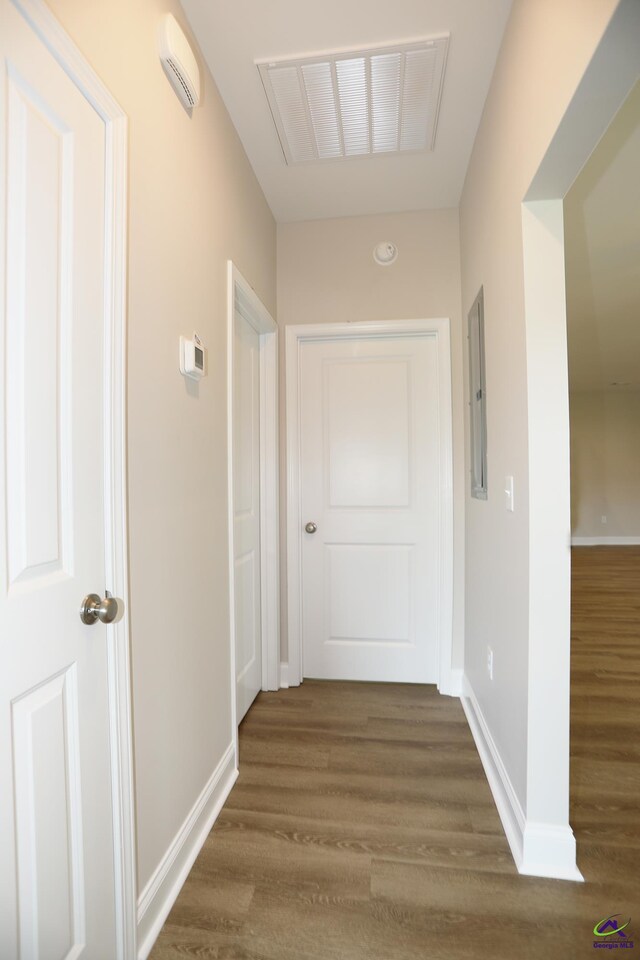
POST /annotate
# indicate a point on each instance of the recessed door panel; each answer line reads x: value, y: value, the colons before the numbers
x: 246, y: 574
x: 40, y: 228
x: 246, y: 385
x: 49, y: 818
x: 368, y: 432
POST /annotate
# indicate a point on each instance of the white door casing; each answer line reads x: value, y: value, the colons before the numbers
x: 66, y: 836
x: 369, y: 462
x: 258, y: 351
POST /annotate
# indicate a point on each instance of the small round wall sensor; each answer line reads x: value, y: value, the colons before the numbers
x: 385, y: 253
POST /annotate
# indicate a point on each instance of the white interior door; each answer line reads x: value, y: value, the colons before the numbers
x: 56, y: 834
x: 369, y: 476
x: 246, y: 512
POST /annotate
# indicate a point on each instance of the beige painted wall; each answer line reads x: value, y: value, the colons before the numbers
x: 545, y: 53
x: 194, y: 202
x: 326, y: 274
x: 605, y: 463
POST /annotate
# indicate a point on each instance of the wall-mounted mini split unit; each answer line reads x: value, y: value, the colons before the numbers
x: 179, y: 62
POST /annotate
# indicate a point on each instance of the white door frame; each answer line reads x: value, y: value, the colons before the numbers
x: 542, y: 841
x: 296, y: 335
x: 242, y: 297
x: 48, y: 29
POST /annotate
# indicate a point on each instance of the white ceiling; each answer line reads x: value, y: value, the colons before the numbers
x: 602, y: 239
x: 234, y: 34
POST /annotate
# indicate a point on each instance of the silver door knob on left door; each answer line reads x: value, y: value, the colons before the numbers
x: 311, y: 527
x: 94, y: 608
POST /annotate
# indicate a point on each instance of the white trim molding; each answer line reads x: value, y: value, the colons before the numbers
x: 605, y: 541
x: 49, y: 30
x: 295, y: 336
x: 164, y: 885
x: 242, y: 298
x: 455, y: 683
x: 538, y: 850
x: 506, y: 800
x: 284, y: 676
x: 549, y: 850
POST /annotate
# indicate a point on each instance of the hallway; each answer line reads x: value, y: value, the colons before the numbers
x: 362, y: 825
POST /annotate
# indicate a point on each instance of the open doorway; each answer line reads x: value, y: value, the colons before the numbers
x: 602, y: 256
x: 611, y: 75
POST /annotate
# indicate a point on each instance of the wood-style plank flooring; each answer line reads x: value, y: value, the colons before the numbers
x: 362, y: 826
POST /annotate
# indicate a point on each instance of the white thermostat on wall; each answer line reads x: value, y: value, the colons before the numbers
x: 192, y: 358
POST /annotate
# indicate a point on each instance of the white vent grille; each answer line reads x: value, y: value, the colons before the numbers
x: 359, y: 103
x: 179, y: 62
x: 188, y: 96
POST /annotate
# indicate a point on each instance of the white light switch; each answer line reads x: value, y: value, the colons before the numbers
x: 508, y: 493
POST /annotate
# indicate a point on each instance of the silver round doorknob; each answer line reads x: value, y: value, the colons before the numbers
x: 311, y: 527
x: 94, y: 608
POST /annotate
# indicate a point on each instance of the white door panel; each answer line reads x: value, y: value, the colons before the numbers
x: 56, y: 843
x: 367, y: 439
x: 246, y: 512
x: 370, y: 470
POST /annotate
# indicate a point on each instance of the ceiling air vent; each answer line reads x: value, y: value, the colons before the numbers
x: 357, y: 103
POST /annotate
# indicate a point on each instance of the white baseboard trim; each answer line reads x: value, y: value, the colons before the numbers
x: 509, y: 807
x: 160, y: 893
x: 550, y: 851
x: 284, y: 676
x: 539, y: 850
x: 605, y: 541
x: 454, y: 687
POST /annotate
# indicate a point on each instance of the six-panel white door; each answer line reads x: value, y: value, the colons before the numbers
x: 246, y: 512
x: 56, y: 833
x: 370, y: 483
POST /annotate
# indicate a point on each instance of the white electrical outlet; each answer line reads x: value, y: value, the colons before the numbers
x: 490, y: 662
x: 603, y: 519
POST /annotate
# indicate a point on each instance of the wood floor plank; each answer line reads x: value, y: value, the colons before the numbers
x: 259, y: 856
x: 213, y: 904
x: 369, y: 810
x: 484, y: 819
x: 420, y: 731
x: 495, y: 914
x: 362, y: 826
x: 184, y: 943
x: 389, y: 840
x: 438, y: 792
x: 283, y: 753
